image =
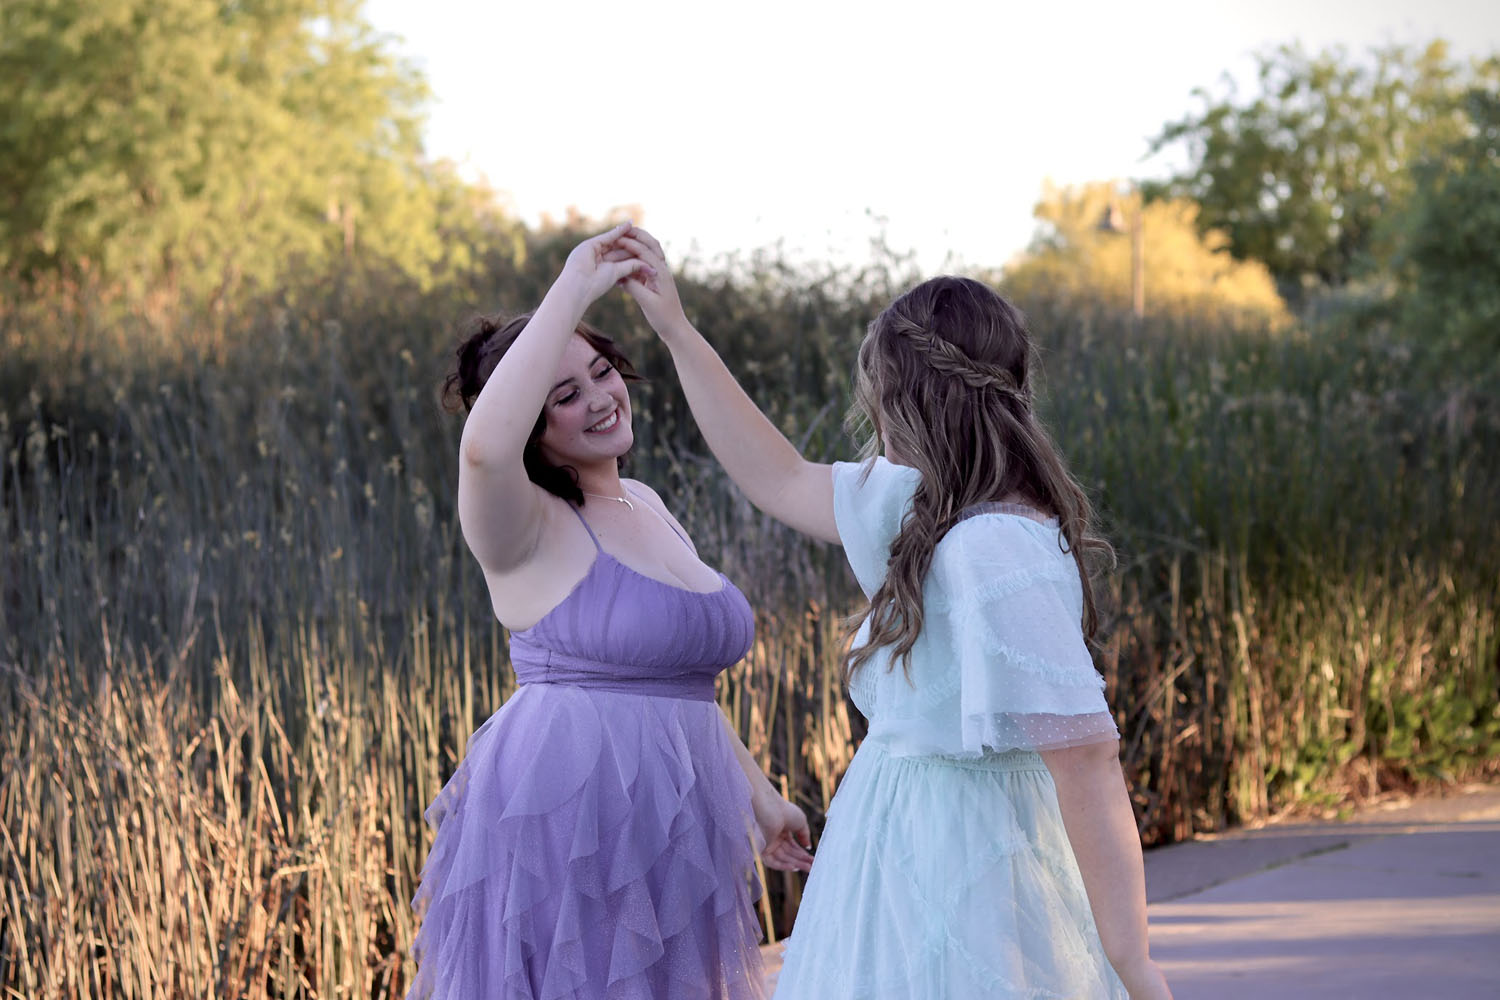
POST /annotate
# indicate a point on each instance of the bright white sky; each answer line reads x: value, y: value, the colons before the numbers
x: 819, y: 123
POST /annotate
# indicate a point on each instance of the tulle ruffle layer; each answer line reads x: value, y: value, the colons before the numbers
x: 591, y: 845
x: 943, y: 879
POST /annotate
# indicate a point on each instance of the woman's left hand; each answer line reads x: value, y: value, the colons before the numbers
x: 599, y: 263
x: 784, y: 827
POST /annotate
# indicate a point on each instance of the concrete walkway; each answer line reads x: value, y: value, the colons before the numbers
x: 1401, y: 901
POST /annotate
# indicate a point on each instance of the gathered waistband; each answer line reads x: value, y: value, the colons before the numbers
x: 536, y: 664
x: 1011, y: 760
x: 695, y: 687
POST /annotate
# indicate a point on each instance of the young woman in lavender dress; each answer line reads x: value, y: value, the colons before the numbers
x: 598, y: 839
x: 982, y: 842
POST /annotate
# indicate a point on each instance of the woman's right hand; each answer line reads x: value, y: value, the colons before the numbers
x: 599, y: 263
x: 783, y: 826
x: 653, y: 289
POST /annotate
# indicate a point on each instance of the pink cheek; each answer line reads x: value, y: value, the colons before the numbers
x: 563, y: 424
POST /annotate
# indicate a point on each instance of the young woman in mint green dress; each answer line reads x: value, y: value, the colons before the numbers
x: 982, y: 843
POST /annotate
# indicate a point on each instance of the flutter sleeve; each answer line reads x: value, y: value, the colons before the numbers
x: 1015, y: 603
x: 869, y: 501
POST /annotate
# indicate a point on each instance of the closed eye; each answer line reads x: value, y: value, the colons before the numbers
x: 603, y: 373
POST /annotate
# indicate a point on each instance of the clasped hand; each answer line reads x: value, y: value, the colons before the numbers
x: 630, y: 258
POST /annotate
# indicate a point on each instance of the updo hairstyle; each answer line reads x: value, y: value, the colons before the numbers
x: 483, y: 341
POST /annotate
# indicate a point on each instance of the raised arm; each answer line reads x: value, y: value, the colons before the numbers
x: 757, y: 456
x: 499, y: 508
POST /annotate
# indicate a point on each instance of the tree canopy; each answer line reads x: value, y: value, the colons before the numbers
x: 187, y: 148
x: 1448, y: 261
x: 1299, y: 174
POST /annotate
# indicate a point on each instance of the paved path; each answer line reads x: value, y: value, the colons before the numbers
x: 1399, y: 902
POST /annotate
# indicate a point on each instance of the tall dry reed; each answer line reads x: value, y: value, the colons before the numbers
x: 241, y: 644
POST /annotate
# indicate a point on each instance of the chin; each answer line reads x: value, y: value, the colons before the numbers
x: 621, y: 442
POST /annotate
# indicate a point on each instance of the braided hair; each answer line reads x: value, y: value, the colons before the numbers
x: 944, y: 379
x: 950, y: 360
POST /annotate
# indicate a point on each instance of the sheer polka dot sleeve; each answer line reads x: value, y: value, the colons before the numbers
x: 1027, y: 681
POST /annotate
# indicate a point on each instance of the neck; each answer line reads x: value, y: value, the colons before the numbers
x: 602, y: 479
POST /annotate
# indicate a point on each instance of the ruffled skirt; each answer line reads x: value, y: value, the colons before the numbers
x: 592, y: 845
x: 945, y: 878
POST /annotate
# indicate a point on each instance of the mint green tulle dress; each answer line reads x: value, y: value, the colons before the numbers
x: 944, y: 871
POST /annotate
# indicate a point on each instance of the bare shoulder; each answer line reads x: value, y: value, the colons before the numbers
x: 654, y: 500
x: 652, y: 497
x: 640, y: 489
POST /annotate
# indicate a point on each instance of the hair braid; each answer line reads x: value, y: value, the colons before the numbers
x: 949, y: 359
x: 944, y: 381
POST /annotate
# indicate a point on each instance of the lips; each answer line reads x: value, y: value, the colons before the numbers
x: 606, y: 425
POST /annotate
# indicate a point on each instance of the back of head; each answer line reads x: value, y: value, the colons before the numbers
x: 944, y: 379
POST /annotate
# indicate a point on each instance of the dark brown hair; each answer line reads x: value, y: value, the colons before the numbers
x: 483, y: 341
x: 944, y: 374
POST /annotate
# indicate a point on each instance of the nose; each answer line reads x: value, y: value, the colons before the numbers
x: 600, y: 400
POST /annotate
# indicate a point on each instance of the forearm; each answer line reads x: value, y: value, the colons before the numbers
x: 755, y: 454
x: 503, y: 415
x: 760, y: 785
x: 1101, y: 828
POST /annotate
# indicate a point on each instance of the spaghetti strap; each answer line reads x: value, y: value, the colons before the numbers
x: 592, y: 537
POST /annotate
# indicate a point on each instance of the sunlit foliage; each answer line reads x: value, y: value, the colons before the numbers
x: 1186, y: 275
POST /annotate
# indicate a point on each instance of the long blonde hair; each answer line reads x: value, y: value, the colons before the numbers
x: 944, y: 378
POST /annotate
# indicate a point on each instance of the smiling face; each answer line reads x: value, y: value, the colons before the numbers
x: 587, y: 411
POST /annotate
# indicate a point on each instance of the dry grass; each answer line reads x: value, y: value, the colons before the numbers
x: 241, y: 644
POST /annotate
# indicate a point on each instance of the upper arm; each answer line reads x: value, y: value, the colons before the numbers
x: 1084, y: 766
x: 1083, y: 758
x: 501, y: 512
x: 804, y: 501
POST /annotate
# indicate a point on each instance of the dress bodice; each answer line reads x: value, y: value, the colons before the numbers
x: 1001, y: 663
x: 620, y: 630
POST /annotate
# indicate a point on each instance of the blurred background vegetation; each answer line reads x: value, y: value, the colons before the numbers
x: 242, y: 644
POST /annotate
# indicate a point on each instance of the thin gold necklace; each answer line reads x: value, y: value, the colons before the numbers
x: 605, y: 496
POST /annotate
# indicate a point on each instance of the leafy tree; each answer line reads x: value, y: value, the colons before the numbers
x: 1186, y: 274
x: 175, y: 149
x: 1299, y: 174
x: 1449, y: 238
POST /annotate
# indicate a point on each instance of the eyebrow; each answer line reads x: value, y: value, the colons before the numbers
x: 569, y: 379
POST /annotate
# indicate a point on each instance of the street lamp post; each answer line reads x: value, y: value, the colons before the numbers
x: 1113, y: 222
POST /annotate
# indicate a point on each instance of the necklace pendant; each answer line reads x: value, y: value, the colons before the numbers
x: 605, y: 496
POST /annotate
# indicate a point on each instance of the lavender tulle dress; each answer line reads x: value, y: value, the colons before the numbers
x: 597, y: 841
